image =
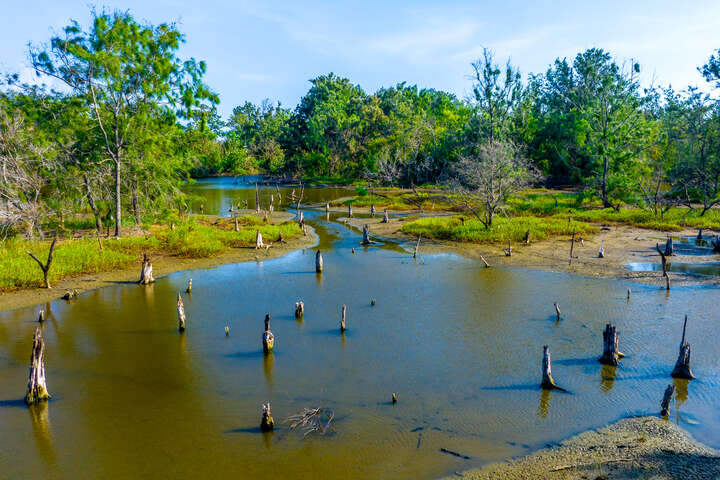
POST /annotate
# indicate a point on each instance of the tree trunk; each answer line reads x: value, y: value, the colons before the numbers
x: 299, y: 309
x: 136, y: 203
x: 118, y: 200
x: 548, y: 383
x: 665, y: 405
x: 267, y: 423
x: 259, y: 240
x: 342, y: 320
x: 366, y: 235
x: 257, y: 199
x: 417, y: 247
x: 37, y: 389
x: 557, y: 310
x: 93, y: 205
x: 349, y: 211
x: 45, y: 267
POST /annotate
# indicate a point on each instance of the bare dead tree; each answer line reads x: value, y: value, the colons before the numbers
x: 45, y: 267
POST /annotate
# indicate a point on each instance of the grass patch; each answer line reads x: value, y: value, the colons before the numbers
x: 192, y: 238
x: 513, y: 228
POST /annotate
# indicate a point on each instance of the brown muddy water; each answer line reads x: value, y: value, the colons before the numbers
x: 460, y: 344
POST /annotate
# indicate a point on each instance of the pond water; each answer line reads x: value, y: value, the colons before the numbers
x: 460, y: 344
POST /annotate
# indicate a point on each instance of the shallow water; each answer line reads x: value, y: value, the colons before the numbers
x: 460, y: 344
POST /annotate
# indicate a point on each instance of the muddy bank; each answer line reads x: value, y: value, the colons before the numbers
x: 642, y: 447
x: 162, y: 265
x: 622, y: 246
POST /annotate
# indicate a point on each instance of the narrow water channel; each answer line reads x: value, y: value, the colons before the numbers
x: 460, y: 344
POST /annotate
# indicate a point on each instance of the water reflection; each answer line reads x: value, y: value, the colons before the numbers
x: 41, y: 431
x: 607, y: 377
x: 544, y: 403
x: 268, y: 363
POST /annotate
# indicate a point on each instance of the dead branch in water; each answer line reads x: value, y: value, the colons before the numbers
x: 312, y: 420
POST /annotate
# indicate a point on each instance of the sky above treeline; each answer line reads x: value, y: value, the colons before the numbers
x: 270, y: 49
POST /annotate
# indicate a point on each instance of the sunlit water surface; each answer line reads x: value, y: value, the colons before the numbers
x: 460, y: 344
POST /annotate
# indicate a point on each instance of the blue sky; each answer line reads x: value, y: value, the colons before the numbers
x: 269, y: 49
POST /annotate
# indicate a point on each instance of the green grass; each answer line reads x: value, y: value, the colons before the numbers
x: 513, y: 228
x: 192, y: 238
x: 400, y: 201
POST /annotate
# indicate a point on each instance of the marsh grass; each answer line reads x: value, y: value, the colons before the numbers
x: 194, y: 238
x: 503, y: 229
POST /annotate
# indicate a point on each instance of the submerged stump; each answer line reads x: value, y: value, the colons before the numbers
x: 266, y: 422
x: 349, y: 211
x: 180, y: 314
x: 366, y: 235
x: 548, y: 383
x: 299, y: 309
x: 557, y: 310
x: 611, y: 355
x: 268, y: 339
x: 189, y: 287
x: 146, y: 271
x: 682, y: 366
x: 36, y: 388
x: 342, y: 320
x: 318, y: 262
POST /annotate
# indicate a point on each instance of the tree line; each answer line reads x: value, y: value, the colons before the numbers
x: 132, y: 121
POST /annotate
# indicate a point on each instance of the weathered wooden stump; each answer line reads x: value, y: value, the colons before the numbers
x: 268, y: 339
x: 180, y: 314
x: 366, y: 235
x: 349, y: 211
x: 342, y: 320
x: 189, y: 287
x: 385, y: 219
x: 372, y: 210
x: 227, y: 331
x: 611, y: 355
x: 487, y: 265
x: 327, y: 208
x: 394, y: 398
x: 682, y: 366
x: 417, y: 247
x: 37, y: 388
x: 70, y: 294
x: 259, y: 240
x: 372, y: 302
x: 272, y: 200
x: 299, y: 309
x: 41, y: 317
x: 267, y: 423
x: 318, y: 262
x: 665, y: 405
x: 699, y: 235
x: 548, y: 383
x: 628, y: 297
x: 557, y: 310
x: 352, y: 250
x: 508, y: 251
x: 669, y: 246
x: 601, y: 252
x: 146, y: 273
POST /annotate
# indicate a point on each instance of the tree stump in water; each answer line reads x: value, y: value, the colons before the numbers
x: 508, y: 252
x: 394, y: 398
x: 318, y: 262
x: 548, y: 383
x: 180, y: 314
x: 267, y: 423
x: 259, y: 240
x: 327, y: 208
x: 372, y: 210
x: 45, y: 267
x: 372, y: 302
x: 665, y: 405
x: 611, y: 355
x: 227, y: 331
x: 682, y: 366
x: 301, y: 218
x: 628, y: 297
x: 366, y: 235
x: 417, y: 247
x: 268, y: 339
x: 189, y: 287
x: 669, y: 246
x: 37, y: 389
x: 146, y: 273
x: 299, y: 309
x: 41, y: 317
x: 385, y: 219
x: 557, y: 310
x: 349, y: 211
x: 342, y: 320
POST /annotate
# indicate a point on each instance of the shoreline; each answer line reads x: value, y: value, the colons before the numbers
x: 163, y: 265
x: 636, y: 447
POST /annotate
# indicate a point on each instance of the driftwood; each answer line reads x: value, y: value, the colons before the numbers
x: 146, y: 273
x: 385, y: 219
x: 299, y: 309
x: 36, y: 388
x: 682, y: 366
x: 454, y: 454
x: 180, y: 314
x: 342, y: 320
x: 266, y: 422
x: 312, y: 420
x: 487, y: 265
x: 611, y: 355
x: 548, y: 383
x: 318, y: 262
x: 70, y: 294
x: 665, y: 405
x: 189, y: 287
x: 268, y: 339
x: 557, y: 310
x: 45, y: 267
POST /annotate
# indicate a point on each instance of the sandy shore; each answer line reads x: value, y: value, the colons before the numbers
x: 162, y: 265
x: 622, y: 245
x: 642, y: 447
